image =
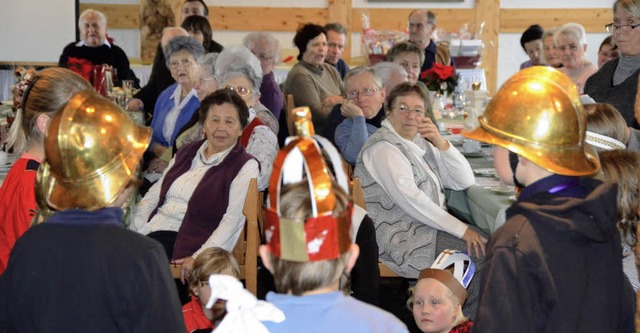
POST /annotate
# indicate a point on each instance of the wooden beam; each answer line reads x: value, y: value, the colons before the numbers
x: 339, y: 11
x: 249, y: 18
x: 118, y: 16
x: 487, y: 11
x: 396, y: 18
x: 518, y: 20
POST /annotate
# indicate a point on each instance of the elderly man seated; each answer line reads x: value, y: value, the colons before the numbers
x: 351, y: 122
x: 95, y: 49
x: 267, y: 49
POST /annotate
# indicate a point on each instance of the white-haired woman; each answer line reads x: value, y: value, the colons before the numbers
x: 238, y: 69
x: 616, y: 82
x: 571, y: 41
x: 267, y: 49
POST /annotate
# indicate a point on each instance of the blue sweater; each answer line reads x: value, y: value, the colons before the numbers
x: 164, y: 104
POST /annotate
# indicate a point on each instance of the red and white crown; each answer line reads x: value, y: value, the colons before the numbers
x: 322, y: 236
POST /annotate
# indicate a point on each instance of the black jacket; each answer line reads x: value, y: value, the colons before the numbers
x: 556, y: 265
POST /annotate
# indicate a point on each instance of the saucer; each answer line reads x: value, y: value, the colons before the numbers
x: 486, y: 172
x: 474, y: 154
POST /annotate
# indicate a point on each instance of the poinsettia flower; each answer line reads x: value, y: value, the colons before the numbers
x: 81, y: 66
x: 443, y: 72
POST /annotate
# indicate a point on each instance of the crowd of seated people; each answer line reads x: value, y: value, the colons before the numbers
x: 213, y: 117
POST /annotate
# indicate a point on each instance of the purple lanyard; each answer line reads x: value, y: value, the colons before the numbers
x: 562, y: 187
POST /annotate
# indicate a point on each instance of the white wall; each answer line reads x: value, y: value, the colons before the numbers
x: 35, y: 30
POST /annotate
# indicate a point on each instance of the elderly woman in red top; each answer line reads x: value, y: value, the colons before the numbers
x: 198, y: 202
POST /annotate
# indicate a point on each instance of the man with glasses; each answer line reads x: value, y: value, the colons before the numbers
x: 422, y: 24
x: 616, y: 82
x: 350, y: 123
x: 336, y: 40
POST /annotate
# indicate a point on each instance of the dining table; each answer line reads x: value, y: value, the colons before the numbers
x: 483, y: 204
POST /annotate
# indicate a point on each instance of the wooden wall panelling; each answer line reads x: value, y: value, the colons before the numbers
x: 340, y: 11
x: 396, y: 18
x: 118, y: 16
x: 487, y: 11
x: 518, y: 20
x: 264, y: 18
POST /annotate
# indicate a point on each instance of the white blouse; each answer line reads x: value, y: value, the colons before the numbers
x: 392, y: 170
x: 170, y: 215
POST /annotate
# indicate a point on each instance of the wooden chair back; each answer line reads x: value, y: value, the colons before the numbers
x: 289, y: 106
x: 246, y: 249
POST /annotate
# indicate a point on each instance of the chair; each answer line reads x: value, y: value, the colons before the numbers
x: 246, y: 249
x: 357, y: 196
x: 289, y: 106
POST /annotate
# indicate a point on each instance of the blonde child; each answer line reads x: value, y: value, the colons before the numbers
x: 437, y: 299
x: 210, y: 261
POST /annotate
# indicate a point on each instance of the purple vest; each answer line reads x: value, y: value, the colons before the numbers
x: 210, y: 199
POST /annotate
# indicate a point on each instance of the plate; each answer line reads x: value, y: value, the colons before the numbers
x: 488, y: 172
x: 474, y: 154
x: 501, y: 191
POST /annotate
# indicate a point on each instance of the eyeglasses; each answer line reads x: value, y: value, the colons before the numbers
x: 364, y: 92
x: 184, y: 63
x: 611, y: 27
x: 406, y: 110
x: 263, y: 56
x: 570, y: 47
x: 202, y: 80
x: 242, y: 91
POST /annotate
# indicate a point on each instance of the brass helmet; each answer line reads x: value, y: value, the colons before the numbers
x: 537, y: 114
x: 92, y: 151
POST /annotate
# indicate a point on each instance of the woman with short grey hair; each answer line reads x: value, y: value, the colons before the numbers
x: 239, y: 70
x: 267, y: 48
x: 572, y: 46
x: 176, y: 104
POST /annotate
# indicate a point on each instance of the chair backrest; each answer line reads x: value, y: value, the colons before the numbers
x: 290, y: 105
x: 246, y: 249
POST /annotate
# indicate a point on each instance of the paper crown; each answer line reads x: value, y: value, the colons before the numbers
x: 463, y: 271
x: 322, y: 236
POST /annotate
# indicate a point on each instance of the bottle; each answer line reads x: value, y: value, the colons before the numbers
x: 458, y: 100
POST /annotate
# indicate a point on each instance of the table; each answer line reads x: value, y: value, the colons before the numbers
x: 479, y: 205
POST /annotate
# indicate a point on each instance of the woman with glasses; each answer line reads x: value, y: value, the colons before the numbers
x: 571, y: 41
x: 616, y: 82
x: 404, y: 168
x: 267, y: 49
x: 176, y: 104
x: 239, y: 70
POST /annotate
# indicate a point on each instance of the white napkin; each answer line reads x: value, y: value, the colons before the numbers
x: 244, y: 311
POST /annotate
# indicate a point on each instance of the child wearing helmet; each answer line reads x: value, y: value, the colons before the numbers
x: 437, y: 299
x: 82, y: 270
x: 308, y: 247
x: 554, y: 266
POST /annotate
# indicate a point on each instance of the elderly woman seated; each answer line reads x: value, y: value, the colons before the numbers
x: 95, y: 49
x: 177, y: 104
x: 267, y: 48
x: 313, y: 82
x: 404, y: 167
x: 571, y: 40
x: 410, y: 57
x: 198, y: 202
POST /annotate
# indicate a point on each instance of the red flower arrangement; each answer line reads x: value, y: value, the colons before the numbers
x: 440, y: 78
x: 83, y: 67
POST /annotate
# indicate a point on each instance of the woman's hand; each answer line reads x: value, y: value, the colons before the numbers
x: 430, y: 131
x: 157, y: 165
x: 474, y: 241
x: 135, y: 104
x: 187, y: 267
